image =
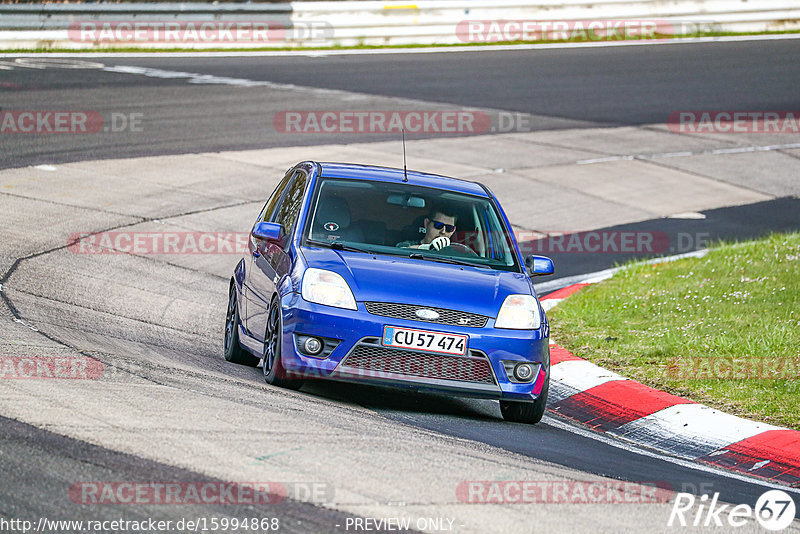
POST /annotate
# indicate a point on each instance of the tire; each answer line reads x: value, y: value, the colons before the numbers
x: 526, y: 412
x: 234, y: 352
x: 274, y: 373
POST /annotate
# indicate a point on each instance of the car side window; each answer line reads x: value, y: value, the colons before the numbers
x: 289, y: 208
x: 269, y: 207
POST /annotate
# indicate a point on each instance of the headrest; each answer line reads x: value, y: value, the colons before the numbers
x: 332, y: 210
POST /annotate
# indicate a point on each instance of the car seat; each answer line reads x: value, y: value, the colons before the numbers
x: 332, y: 221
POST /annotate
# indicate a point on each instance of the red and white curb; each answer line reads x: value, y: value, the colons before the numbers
x: 611, y: 404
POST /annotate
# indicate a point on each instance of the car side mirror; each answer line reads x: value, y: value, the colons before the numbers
x: 268, y: 231
x: 539, y: 265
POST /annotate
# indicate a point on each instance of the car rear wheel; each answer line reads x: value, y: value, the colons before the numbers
x: 526, y: 412
x: 231, y: 349
x: 274, y: 372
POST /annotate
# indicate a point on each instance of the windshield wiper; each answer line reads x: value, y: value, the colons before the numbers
x: 338, y: 246
x: 442, y: 259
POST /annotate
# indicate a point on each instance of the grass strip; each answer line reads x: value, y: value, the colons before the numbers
x: 133, y: 49
x: 723, y: 330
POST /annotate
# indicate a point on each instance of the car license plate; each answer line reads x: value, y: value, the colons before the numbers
x: 410, y: 338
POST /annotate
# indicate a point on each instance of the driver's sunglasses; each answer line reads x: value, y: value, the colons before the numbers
x: 447, y: 227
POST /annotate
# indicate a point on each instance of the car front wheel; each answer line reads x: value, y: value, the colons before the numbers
x: 274, y: 372
x: 526, y: 412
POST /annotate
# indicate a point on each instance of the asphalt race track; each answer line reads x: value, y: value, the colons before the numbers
x: 169, y: 408
x: 556, y: 89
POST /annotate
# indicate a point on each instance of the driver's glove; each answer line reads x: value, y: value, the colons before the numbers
x: 440, y: 242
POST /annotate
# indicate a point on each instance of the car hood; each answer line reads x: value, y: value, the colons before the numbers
x: 382, y: 278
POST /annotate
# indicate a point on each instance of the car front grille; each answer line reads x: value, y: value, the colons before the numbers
x: 408, y: 312
x: 371, y: 360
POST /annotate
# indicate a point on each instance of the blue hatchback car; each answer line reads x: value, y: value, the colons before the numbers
x: 382, y: 276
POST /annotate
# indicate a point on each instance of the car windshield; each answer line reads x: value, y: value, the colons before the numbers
x: 401, y: 219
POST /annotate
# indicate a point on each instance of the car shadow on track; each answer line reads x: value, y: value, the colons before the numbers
x: 400, y: 401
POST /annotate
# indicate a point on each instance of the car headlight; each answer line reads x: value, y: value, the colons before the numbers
x: 328, y: 288
x: 520, y: 312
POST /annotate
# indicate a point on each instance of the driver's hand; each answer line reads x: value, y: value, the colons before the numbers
x: 440, y: 242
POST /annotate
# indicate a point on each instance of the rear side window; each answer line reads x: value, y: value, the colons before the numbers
x: 289, y: 208
x: 269, y: 207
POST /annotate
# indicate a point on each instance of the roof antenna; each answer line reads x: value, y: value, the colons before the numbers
x: 405, y: 171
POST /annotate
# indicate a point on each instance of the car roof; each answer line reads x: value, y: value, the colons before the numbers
x: 390, y: 174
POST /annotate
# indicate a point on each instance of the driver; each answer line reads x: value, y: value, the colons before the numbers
x: 439, y: 227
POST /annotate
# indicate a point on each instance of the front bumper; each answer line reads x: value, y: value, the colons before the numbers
x: 359, y: 356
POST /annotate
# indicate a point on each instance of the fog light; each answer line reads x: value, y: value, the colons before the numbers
x: 523, y: 372
x: 313, y: 345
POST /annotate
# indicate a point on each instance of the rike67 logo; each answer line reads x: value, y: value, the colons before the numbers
x: 774, y: 510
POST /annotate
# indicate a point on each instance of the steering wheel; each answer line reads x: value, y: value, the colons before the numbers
x: 461, y: 247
